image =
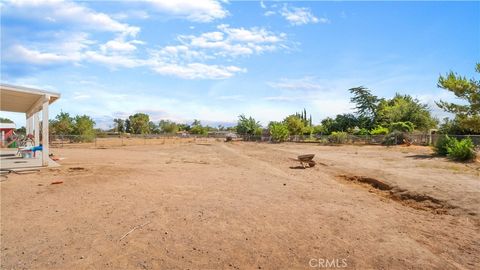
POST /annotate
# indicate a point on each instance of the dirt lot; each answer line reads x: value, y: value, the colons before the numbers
x: 243, y: 206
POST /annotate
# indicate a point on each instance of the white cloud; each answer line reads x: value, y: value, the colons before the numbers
x: 131, y: 14
x: 262, y: 4
x: 113, y: 60
x: 299, y: 16
x: 193, y: 10
x: 303, y: 84
x: 269, y: 13
x: 192, y: 57
x: 72, y: 44
x: 197, y: 70
x: 23, y: 54
x: 231, y: 97
x: 59, y: 11
x: 81, y: 96
x: 189, y: 60
x: 282, y: 98
x: 229, y: 41
x: 120, y: 45
x: 323, y: 20
x: 67, y: 48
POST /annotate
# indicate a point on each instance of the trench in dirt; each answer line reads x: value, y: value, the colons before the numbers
x: 403, y: 196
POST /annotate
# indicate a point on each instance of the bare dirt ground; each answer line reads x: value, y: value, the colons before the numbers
x: 243, y: 206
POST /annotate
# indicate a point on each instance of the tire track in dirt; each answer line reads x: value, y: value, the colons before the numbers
x: 253, y: 162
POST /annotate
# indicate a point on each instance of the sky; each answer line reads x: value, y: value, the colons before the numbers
x: 214, y: 60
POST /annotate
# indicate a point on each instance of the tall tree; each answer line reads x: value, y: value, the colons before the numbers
x: 139, y: 123
x: 366, y: 106
x: 62, y: 124
x: 197, y: 128
x: 404, y: 108
x: 345, y: 122
x: 294, y: 124
x: 153, y: 128
x: 83, y: 126
x: 248, y: 126
x: 128, y: 126
x: 167, y: 126
x: 119, y: 125
x: 467, y: 115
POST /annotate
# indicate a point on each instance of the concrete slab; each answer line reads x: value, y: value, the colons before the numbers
x: 10, y: 160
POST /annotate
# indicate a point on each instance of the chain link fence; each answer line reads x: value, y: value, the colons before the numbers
x: 120, y: 140
x: 415, y: 139
x: 100, y: 141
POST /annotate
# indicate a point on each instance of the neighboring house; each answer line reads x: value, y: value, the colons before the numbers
x: 6, y: 134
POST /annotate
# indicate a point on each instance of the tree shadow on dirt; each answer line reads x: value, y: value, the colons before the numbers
x: 297, y: 167
x: 422, y: 156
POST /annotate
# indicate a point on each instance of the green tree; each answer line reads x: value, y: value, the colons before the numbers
x: 307, y: 121
x: 401, y: 126
x: 345, y: 122
x: 119, y: 125
x: 21, y: 130
x: 327, y: 125
x: 453, y: 126
x: 366, y: 106
x: 197, y: 128
x: 83, y: 126
x: 403, y: 108
x: 278, y: 131
x: 318, y: 129
x: 466, y: 115
x: 307, y: 130
x: 154, y: 128
x: 247, y: 126
x: 294, y: 124
x: 139, y: 123
x: 128, y: 126
x: 167, y: 126
x: 5, y: 120
x: 183, y: 127
x: 62, y: 124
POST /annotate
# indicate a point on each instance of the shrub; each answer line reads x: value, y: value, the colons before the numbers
x: 441, y: 145
x: 379, y: 131
x: 406, y: 126
x: 362, y: 131
x: 338, y: 137
x: 279, y: 132
x: 294, y: 124
x: 463, y: 150
x: 307, y: 130
x: 395, y: 137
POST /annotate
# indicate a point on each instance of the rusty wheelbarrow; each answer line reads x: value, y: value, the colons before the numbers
x: 306, y: 159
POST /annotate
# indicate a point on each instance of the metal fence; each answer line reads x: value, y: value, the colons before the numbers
x: 119, y: 140
x: 415, y: 139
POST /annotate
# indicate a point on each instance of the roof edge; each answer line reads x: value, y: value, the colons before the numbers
x: 28, y: 90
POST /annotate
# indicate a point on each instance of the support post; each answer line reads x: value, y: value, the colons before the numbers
x: 45, y: 146
x: 36, y: 129
x: 29, y: 125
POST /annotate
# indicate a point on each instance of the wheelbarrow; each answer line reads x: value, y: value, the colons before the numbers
x: 305, y: 159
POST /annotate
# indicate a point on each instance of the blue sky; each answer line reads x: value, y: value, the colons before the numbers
x: 213, y: 60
